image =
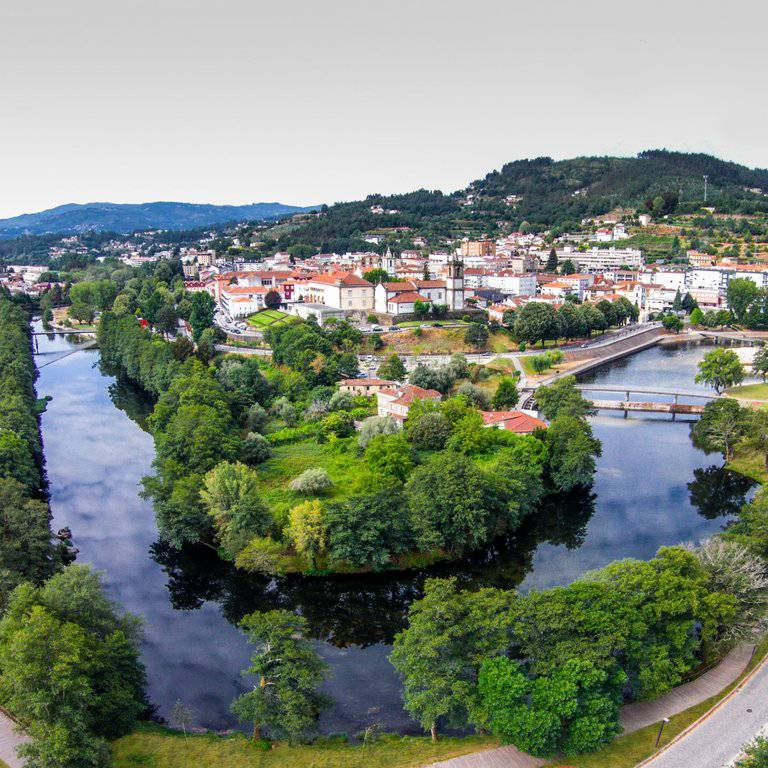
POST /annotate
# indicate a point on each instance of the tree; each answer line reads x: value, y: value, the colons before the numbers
x: 256, y: 449
x: 562, y: 398
x: 741, y: 293
x: 70, y: 668
x: 552, y: 261
x: 449, y: 634
x: 368, y: 530
x: 477, y: 396
x: 377, y: 276
x: 390, y: 456
x: 420, y: 309
x: 230, y: 493
x: 307, y: 529
x: 454, y: 504
x: 476, y: 335
x: 572, y: 452
x: 26, y: 550
x: 697, y: 317
x: 721, y: 426
x: 374, y: 426
x: 392, y: 368
x: 570, y: 710
x: 536, y: 321
x: 760, y: 362
x: 755, y: 754
x: 201, y: 314
x: 285, y: 700
x: 572, y: 321
x: 506, y: 395
x: 567, y: 267
x: 428, y: 430
x: 672, y: 323
x: 733, y: 570
x: 720, y: 368
x: 273, y: 299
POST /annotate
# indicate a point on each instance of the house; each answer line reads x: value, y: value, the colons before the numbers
x: 398, y: 298
x: 321, y: 312
x: 512, y: 421
x: 242, y: 300
x: 341, y: 290
x: 368, y: 386
x: 396, y: 402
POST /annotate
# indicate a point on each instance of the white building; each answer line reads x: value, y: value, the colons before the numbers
x: 342, y: 290
x: 599, y: 259
x: 511, y: 283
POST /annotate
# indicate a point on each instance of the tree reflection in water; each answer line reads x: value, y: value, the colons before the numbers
x: 719, y: 492
x: 365, y: 609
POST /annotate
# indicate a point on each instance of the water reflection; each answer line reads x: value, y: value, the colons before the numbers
x: 364, y: 610
x: 718, y: 492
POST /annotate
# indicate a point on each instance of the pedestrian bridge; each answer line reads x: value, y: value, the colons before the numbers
x: 646, y: 406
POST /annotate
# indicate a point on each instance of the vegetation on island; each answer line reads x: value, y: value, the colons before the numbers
x: 263, y: 459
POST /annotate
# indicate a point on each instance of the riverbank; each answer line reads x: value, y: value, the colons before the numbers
x: 156, y: 747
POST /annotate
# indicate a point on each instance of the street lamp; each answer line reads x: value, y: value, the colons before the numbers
x: 661, y: 728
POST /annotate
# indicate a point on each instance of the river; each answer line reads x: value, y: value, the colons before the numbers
x: 96, y: 454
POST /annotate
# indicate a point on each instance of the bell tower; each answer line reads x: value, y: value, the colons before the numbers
x: 454, y: 284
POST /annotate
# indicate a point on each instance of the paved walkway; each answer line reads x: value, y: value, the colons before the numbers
x: 10, y: 738
x: 719, y: 737
x: 633, y: 716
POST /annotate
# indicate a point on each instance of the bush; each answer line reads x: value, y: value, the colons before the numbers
x: 283, y: 409
x: 256, y: 448
x: 477, y: 396
x: 338, y: 423
x: 257, y: 418
x: 374, y: 426
x: 429, y: 432
x: 341, y: 401
x: 314, y: 480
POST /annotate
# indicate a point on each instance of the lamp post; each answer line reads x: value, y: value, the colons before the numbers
x: 661, y: 729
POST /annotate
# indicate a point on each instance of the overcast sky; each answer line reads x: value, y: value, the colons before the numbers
x: 236, y: 101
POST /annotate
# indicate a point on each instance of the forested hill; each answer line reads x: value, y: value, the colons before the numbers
x: 552, y: 194
x: 124, y: 218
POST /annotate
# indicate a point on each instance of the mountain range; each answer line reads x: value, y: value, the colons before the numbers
x: 128, y: 217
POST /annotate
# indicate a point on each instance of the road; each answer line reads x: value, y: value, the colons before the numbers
x: 719, y: 738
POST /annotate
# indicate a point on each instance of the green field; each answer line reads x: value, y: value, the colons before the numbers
x: 290, y: 460
x: 155, y: 747
x: 267, y: 317
x: 750, y: 392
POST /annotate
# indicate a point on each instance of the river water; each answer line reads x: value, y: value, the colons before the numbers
x: 97, y: 452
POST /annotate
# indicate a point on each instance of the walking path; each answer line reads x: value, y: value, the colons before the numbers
x: 10, y: 738
x: 717, y: 738
x: 633, y: 716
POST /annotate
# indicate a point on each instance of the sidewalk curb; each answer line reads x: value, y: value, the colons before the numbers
x: 707, y: 714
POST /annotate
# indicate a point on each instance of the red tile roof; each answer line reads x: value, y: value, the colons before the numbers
x: 408, y: 298
x: 341, y: 278
x: 366, y: 382
x: 513, y: 421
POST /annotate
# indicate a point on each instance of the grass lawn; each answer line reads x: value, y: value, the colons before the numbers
x: 757, y: 392
x: 428, y: 323
x: 155, y: 747
x: 750, y: 463
x: 627, y: 751
x: 290, y: 460
x: 268, y: 317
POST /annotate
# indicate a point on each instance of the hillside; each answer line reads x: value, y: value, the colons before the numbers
x: 553, y: 194
x: 124, y: 218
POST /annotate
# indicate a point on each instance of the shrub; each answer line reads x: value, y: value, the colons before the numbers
x: 374, y: 426
x: 257, y: 418
x: 256, y: 448
x: 338, y: 423
x: 475, y: 395
x: 283, y: 409
x: 313, y: 480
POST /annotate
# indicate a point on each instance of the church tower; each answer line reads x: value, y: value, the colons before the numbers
x: 388, y: 263
x: 454, y: 284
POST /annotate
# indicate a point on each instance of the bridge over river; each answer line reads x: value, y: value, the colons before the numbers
x: 646, y: 406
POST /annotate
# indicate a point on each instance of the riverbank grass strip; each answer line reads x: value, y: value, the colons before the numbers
x: 156, y: 747
x: 627, y: 751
